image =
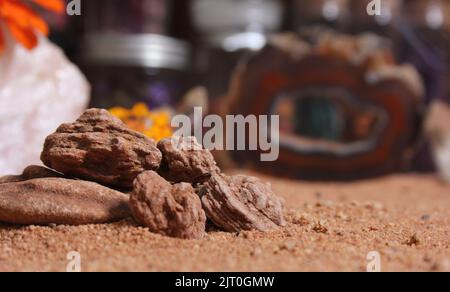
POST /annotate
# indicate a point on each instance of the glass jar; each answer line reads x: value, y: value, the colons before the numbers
x: 131, y: 16
x: 227, y: 30
x: 126, y: 69
x: 236, y: 24
x: 128, y: 55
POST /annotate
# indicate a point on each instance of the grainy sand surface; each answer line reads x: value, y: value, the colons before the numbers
x: 332, y: 227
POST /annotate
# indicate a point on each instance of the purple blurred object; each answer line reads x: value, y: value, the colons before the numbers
x: 426, y: 46
x: 160, y: 94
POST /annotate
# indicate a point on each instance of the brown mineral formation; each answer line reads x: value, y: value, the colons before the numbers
x: 241, y: 203
x: 100, y: 148
x: 174, y: 211
x: 31, y: 172
x: 185, y: 160
x: 60, y: 201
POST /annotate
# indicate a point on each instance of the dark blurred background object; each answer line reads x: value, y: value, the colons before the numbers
x: 426, y: 42
x: 132, y: 16
x: 126, y: 69
x: 425, y: 27
x: 331, y: 13
x: 225, y: 32
x: 380, y: 24
x: 154, y: 51
x: 129, y: 55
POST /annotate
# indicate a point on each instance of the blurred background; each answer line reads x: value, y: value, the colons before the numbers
x: 336, y: 122
x: 158, y: 38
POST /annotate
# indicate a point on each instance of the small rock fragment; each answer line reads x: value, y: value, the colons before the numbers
x: 174, y: 211
x: 300, y: 219
x: 60, y: 201
x: 375, y: 206
x: 100, y: 148
x: 443, y: 265
x: 257, y: 252
x: 185, y: 160
x: 241, y: 203
x: 341, y: 216
x: 31, y: 172
x: 339, y: 233
x: 413, y: 241
x: 425, y: 217
x: 289, y: 246
x: 320, y: 228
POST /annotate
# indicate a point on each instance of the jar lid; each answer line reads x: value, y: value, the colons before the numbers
x: 142, y: 50
x: 236, y: 24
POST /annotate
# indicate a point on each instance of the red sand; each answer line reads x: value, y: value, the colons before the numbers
x: 332, y: 227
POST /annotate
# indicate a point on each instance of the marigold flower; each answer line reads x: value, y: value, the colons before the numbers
x: 23, y: 22
x: 153, y: 124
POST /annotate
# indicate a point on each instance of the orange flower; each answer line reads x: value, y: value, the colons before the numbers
x: 153, y: 124
x: 23, y: 22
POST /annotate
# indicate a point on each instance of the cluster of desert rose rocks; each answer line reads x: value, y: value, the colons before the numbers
x: 100, y: 171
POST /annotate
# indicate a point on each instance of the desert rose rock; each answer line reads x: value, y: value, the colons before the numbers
x: 99, y: 147
x: 184, y: 160
x: 241, y: 203
x: 174, y: 211
x: 10, y: 179
x: 31, y: 172
x: 60, y: 201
